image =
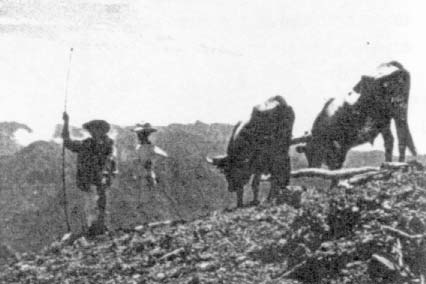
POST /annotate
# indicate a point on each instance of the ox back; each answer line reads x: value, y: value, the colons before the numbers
x: 266, y: 135
x: 260, y: 146
x: 360, y: 117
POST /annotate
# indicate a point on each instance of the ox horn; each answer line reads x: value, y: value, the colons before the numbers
x: 210, y: 160
x: 302, y: 139
x: 215, y: 160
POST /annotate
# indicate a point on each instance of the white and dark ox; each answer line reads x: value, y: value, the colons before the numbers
x: 259, y: 146
x: 365, y: 113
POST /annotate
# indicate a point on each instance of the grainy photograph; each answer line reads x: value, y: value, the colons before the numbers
x: 212, y: 141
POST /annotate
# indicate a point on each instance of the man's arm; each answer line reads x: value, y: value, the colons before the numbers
x: 74, y: 146
x: 160, y: 152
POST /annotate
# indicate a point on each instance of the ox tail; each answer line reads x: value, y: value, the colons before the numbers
x: 396, y: 64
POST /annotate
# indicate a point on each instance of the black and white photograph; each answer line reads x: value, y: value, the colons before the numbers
x: 212, y: 141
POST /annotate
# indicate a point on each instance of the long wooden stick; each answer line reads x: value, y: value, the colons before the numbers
x: 67, y: 80
x: 64, y: 191
x: 64, y: 184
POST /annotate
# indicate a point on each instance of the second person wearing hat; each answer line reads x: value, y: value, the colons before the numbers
x: 147, y: 154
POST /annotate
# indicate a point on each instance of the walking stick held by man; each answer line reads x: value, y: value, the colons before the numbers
x: 66, y: 121
x: 94, y: 157
x: 64, y: 188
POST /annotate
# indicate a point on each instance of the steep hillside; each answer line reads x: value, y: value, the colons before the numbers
x: 31, y: 185
x: 373, y: 233
x: 31, y: 212
x: 31, y: 215
x: 188, y: 186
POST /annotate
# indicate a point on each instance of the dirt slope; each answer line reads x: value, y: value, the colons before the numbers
x: 370, y: 234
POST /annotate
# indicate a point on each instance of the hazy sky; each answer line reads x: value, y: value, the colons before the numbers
x: 168, y: 61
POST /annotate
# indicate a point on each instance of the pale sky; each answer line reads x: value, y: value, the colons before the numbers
x: 167, y: 61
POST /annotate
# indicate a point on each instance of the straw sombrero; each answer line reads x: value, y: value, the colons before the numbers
x: 97, y: 124
x: 146, y: 127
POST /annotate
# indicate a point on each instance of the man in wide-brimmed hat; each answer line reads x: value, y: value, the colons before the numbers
x: 147, y: 154
x: 143, y: 131
x: 95, y: 168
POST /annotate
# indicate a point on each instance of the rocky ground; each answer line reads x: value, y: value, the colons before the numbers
x: 374, y: 233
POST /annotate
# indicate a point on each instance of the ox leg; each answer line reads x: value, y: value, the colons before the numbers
x: 240, y: 194
x: 337, y: 163
x: 236, y: 182
x: 409, y: 139
x: 410, y: 143
x: 388, y: 143
x: 336, y: 158
x: 255, y: 187
x: 404, y: 139
x: 272, y: 191
x: 280, y: 177
x: 335, y: 155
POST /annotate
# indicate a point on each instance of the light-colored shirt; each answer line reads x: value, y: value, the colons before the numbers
x: 146, y: 156
x: 147, y: 152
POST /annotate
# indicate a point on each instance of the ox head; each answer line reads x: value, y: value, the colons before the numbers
x: 306, y: 145
x: 318, y: 151
x: 235, y: 168
x: 237, y: 173
x: 221, y: 162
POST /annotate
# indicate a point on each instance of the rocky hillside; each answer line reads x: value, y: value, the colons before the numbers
x: 31, y: 214
x: 374, y: 233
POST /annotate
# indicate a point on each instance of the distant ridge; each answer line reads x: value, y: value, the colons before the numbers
x: 8, y: 145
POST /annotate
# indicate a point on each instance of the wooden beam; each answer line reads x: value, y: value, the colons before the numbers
x: 332, y: 174
x: 351, y: 174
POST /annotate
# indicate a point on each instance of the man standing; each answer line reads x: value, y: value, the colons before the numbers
x: 144, y: 163
x: 95, y: 168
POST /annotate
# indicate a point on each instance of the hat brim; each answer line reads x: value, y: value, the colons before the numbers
x: 97, y: 125
x: 141, y: 128
x: 147, y: 130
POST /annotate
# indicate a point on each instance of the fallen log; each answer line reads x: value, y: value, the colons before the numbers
x: 363, y: 178
x: 164, y: 223
x: 328, y: 174
x: 173, y: 254
x: 288, y: 273
x: 332, y: 174
x: 413, y: 165
x: 160, y: 224
x: 402, y: 234
x: 395, y: 165
x: 349, y: 174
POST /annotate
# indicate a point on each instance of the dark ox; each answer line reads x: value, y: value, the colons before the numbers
x: 259, y: 146
x: 365, y: 113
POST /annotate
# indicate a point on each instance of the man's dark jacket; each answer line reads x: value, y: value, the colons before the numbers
x: 92, y: 160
